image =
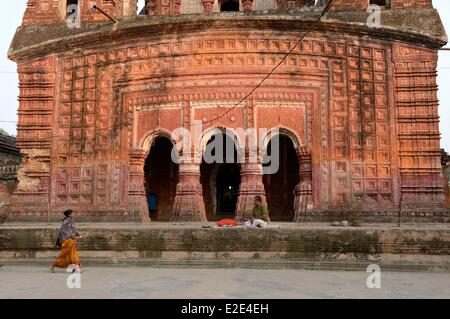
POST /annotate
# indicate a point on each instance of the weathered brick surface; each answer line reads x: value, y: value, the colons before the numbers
x: 295, y: 243
x: 359, y: 107
x: 53, y: 11
x: 411, y: 4
x: 345, y: 5
x: 350, y: 5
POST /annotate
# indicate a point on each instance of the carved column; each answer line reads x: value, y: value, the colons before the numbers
x: 421, y: 182
x: 129, y: 8
x: 188, y: 204
x: 208, y: 6
x: 159, y: 7
x: 303, y: 190
x: 32, y: 197
x: 251, y: 186
x: 137, y: 198
x: 176, y: 6
x: 247, y: 5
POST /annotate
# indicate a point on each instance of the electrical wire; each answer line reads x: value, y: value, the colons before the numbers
x: 302, y: 37
x: 308, y: 31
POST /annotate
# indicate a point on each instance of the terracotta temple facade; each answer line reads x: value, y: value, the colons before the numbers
x: 354, y: 108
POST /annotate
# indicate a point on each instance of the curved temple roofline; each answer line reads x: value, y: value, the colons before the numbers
x: 418, y: 26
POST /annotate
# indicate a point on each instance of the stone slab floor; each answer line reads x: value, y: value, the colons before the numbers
x: 166, y: 283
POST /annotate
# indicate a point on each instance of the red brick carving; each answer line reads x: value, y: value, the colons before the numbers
x: 418, y: 129
x: 247, y: 5
x: 362, y: 117
x: 163, y: 7
x: 411, y: 4
x: 291, y: 4
x: 355, y: 5
x: 208, y: 5
x: 41, y: 12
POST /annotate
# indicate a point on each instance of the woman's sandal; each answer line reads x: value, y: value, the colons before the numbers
x: 52, y: 269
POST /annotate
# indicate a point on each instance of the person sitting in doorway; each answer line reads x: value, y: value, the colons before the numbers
x: 260, y: 216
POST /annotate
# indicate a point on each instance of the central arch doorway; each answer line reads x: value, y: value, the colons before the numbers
x: 221, y: 178
x: 280, y: 186
x: 161, y: 178
x: 228, y: 179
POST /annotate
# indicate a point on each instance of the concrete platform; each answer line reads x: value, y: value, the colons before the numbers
x: 283, y: 245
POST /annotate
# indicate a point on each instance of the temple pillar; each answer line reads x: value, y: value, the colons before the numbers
x: 177, y: 6
x: 247, y: 5
x: 303, y: 190
x: 251, y: 186
x: 208, y: 6
x: 137, y: 197
x: 188, y: 204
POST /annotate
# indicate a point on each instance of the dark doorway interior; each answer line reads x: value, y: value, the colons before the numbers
x: 220, y: 181
x: 379, y: 2
x: 280, y: 186
x: 228, y: 180
x: 229, y: 5
x: 161, y: 178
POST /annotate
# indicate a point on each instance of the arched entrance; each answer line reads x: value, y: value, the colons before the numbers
x: 160, y: 179
x: 227, y: 180
x: 220, y: 176
x: 280, y: 186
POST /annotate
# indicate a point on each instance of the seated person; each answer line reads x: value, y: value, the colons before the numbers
x: 260, y: 216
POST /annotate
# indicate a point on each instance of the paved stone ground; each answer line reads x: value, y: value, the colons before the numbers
x: 166, y: 283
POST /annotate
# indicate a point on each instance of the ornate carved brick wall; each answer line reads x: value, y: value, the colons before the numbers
x: 41, y: 12
x: 418, y: 128
x: 411, y: 4
x: 361, y: 113
x: 345, y: 5
x: 34, y: 131
x: 163, y: 7
x: 354, y: 5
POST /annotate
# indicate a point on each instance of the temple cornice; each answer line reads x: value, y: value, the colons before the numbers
x: 32, y: 42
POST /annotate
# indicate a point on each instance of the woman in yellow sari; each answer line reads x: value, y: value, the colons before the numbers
x: 68, y: 243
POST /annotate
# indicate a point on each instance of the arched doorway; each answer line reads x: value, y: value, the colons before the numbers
x: 220, y: 176
x: 160, y: 179
x: 280, y: 185
x: 227, y: 180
